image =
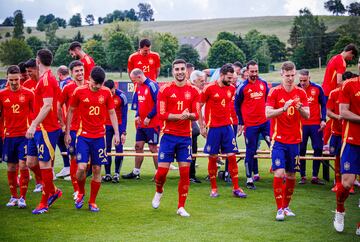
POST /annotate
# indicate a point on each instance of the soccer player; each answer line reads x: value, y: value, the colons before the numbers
x: 16, y: 104
x: 217, y: 96
x: 24, y: 74
x: 76, y: 51
x: 285, y: 105
x: 44, y: 130
x: 77, y: 71
x: 349, y: 100
x: 93, y: 101
x: 33, y: 75
x: 146, y: 60
x: 250, y: 102
x: 178, y: 105
x: 313, y: 127
x: 189, y: 69
x: 121, y: 108
x: 146, y: 119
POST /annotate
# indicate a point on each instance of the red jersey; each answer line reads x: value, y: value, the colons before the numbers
x: 65, y: 98
x: 16, y: 108
x: 336, y: 65
x: 250, y: 102
x: 47, y: 87
x: 30, y: 84
x: 287, y: 127
x: 146, y: 105
x: 93, y: 108
x: 1, y: 125
x: 88, y: 65
x: 149, y: 64
x: 350, y: 94
x: 218, y: 102
x: 234, y: 118
x: 174, y: 99
x: 317, y: 105
x: 333, y: 105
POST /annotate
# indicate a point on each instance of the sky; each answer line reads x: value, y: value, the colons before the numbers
x: 164, y: 9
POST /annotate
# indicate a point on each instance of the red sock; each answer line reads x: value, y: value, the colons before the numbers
x: 341, y: 195
x: 183, y: 186
x: 327, y: 131
x: 337, y: 170
x: 160, y: 178
x: 37, y: 173
x: 277, y: 185
x: 81, y: 185
x: 212, y: 170
x: 12, y: 179
x: 95, y: 186
x: 288, y: 192
x: 234, y: 172
x: 73, y: 169
x: 48, y: 187
x: 24, y: 182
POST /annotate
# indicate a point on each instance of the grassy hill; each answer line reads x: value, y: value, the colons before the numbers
x: 279, y: 25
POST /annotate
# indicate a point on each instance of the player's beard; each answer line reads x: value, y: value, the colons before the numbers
x: 253, y: 78
x: 14, y: 87
x: 226, y: 83
x: 180, y: 77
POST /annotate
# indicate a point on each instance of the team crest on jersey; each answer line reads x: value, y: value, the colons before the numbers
x: 332, y: 149
x: 187, y: 95
x: 262, y: 87
x: 313, y: 92
x: 146, y: 91
x: 71, y: 149
x: 6, y: 158
x: 208, y: 148
x: 229, y: 94
x: 78, y: 156
x: 162, y: 155
x: 22, y: 98
x: 282, y: 100
x: 101, y: 99
x: 151, y: 61
x: 116, y: 101
x: 347, y: 166
x: 277, y: 162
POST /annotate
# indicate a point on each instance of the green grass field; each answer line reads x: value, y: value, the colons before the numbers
x: 126, y: 213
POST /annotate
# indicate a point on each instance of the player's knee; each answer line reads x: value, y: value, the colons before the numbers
x: 139, y: 147
x: 153, y: 148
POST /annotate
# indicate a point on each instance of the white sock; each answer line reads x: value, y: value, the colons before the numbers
x: 136, y: 171
x: 249, y: 180
x: 256, y: 174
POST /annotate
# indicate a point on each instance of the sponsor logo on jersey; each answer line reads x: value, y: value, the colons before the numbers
x: 256, y: 94
x: 141, y: 98
x: 310, y: 99
x: 249, y: 90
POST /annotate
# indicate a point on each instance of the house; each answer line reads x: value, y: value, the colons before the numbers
x: 201, y: 45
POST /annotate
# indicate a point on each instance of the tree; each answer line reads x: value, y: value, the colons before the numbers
x: 7, y: 35
x: 50, y: 32
x: 75, y: 20
x: 145, y: 12
x: 90, y: 19
x: 276, y: 47
x: 224, y: 51
x: 18, y: 31
x: 353, y: 9
x: 189, y: 54
x: 14, y: 51
x: 254, y: 40
x: 78, y: 37
x: 61, y: 22
x: 335, y: 6
x: 263, y: 57
x: 236, y: 39
x: 100, y: 20
x: 96, y: 49
x: 131, y: 15
x: 34, y: 43
x: 9, y: 21
x: 62, y: 56
x: 166, y: 45
x: 97, y: 37
x: 28, y: 30
x: 118, y: 57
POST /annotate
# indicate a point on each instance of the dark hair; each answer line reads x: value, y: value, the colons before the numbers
x: 304, y: 72
x: 22, y: 67
x: 13, y: 70
x: 226, y: 68
x: 348, y: 75
x: 74, y: 64
x: 251, y: 63
x: 74, y: 45
x: 178, y: 61
x: 98, y: 75
x: 352, y: 48
x: 144, y: 42
x: 45, y: 57
x: 189, y: 65
x: 238, y: 64
x: 288, y: 66
x: 109, y: 84
x: 31, y: 63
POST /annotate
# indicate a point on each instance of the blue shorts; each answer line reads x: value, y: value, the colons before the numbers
x: 335, y: 145
x: 94, y: 148
x: 221, y: 140
x: 350, y: 159
x: 172, y: 146
x: 148, y: 135
x: 72, y: 146
x: 43, y: 145
x: 285, y: 156
x: 14, y: 149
